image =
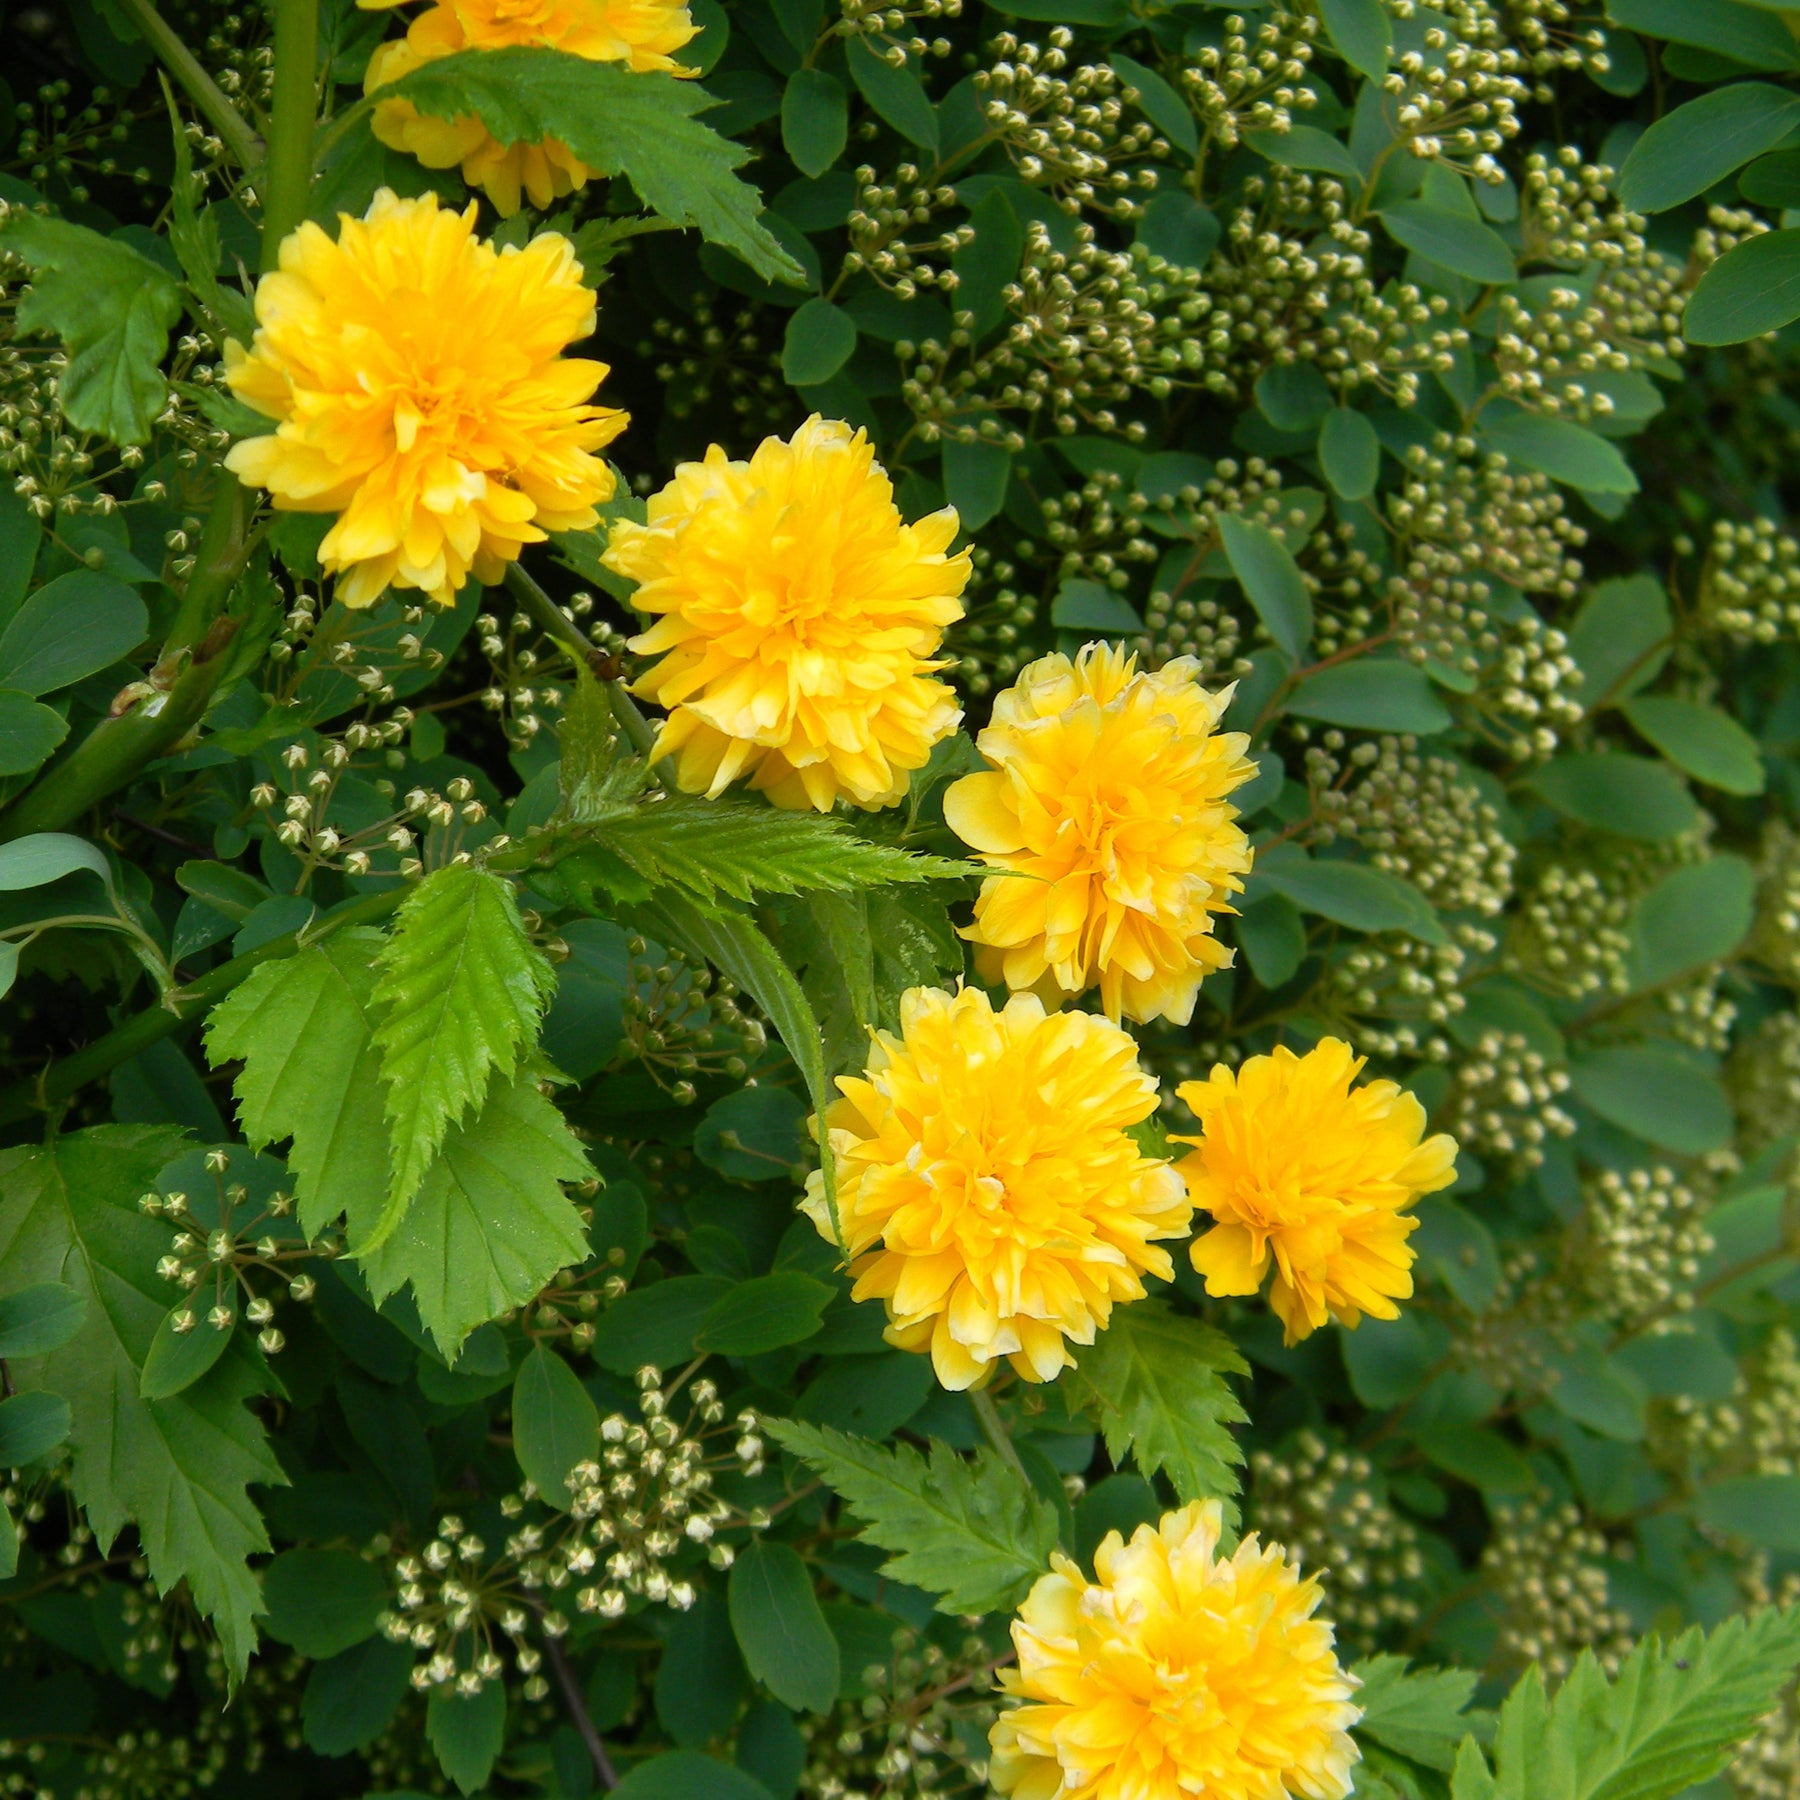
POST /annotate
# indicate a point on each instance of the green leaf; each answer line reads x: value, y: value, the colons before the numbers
x: 1158, y: 102
x: 820, y: 337
x: 1349, y: 453
x: 29, y: 732
x: 1670, y: 1719
x: 1743, y: 33
x: 177, y: 1359
x: 113, y: 310
x: 9, y: 1544
x: 987, y: 264
x: 1598, y: 1393
x: 1620, y: 638
x: 1765, y: 1509
x: 555, y: 1424
x: 1418, y: 1712
x: 351, y: 1698
x: 462, y: 993
x: 1372, y: 694
x: 1657, y: 1094
x: 596, y: 774
x: 1708, y: 744
x: 181, y: 1468
x: 815, y: 120
x: 1695, y: 915
x: 1462, y: 245
x: 70, y: 628
x: 47, y: 856
x: 32, y: 1425
x: 1361, y: 34
x: 971, y: 1532
x: 1481, y: 1457
x: 301, y: 1026
x: 1306, y: 147
x: 1686, y: 151
x: 1773, y: 180
x: 1095, y: 609
x: 688, y: 1775
x: 744, y: 847
x: 38, y: 1319
x: 1754, y: 287
x: 1271, y: 579
x: 1562, y: 450
x: 618, y: 121
x: 655, y: 1324
x: 323, y: 1602
x: 897, y: 95
x: 1272, y: 936
x: 775, y: 1616
x: 1614, y: 792
x: 764, y: 1314
x: 1351, y: 893
x: 1157, y: 1383
x: 490, y: 1223
x: 467, y: 1733
x: 753, y: 1134
x: 975, y: 479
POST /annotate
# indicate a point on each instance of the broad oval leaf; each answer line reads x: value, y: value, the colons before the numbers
x: 70, y: 628
x: 815, y: 120
x: 1563, y: 450
x: 180, y: 1356
x: 820, y: 337
x: 1270, y: 577
x: 1372, y: 694
x: 1753, y: 288
x: 1630, y: 795
x: 1462, y: 245
x: 1693, y: 916
x: 29, y: 732
x: 1685, y: 151
x: 40, y: 1318
x: 775, y: 1616
x: 1707, y: 744
x: 555, y: 1424
x: 764, y: 1314
x: 1349, y: 453
x: 32, y: 1425
x: 1656, y: 1093
x: 323, y: 1602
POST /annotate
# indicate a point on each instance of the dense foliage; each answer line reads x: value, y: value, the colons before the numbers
x: 425, y: 1358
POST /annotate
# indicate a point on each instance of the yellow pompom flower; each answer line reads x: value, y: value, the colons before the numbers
x: 799, y: 621
x: 642, y: 34
x: 988, y: 1191
x: 1176, y: 1674
x: 1108, y: 787
x: 1302, y: 1170
x: 418, y: 377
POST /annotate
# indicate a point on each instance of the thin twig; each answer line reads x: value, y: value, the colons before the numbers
x: 578, y: 1713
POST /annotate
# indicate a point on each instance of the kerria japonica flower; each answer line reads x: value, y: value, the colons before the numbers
x: 798, y: 619
x: 988, y: 1188
x: 1303, y: 1171
x: 1175, y: 1674
x: 1108, y: 791
x: 421, y: 392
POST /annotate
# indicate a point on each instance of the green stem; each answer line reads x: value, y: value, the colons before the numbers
x: 988, y: 1414
x: 225, y: 119
x: 182, y: 685
x: 558, y: 625
x: 179, y: 1010
x: 287, y: 184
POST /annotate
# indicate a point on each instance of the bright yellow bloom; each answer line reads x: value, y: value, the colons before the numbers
x: 423, y: 396
x: 988, y: 1190
x: 1300, y: 1169
x: 800, y: 617
x: 1108, y: 788
x: 642, y: 34
x: 1175, y: 1675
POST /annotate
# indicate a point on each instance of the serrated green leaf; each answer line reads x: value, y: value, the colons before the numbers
x: 301, y: 1027
x: 490, y: 1223
x: 1669, y: 1720
x: 597, y: 774
x: 180, y: 1469
x: 461, y: 995
x: 971, y: 1532
x: 742, y: 848
x: 618, y: 121
x: 1422, y: 1713
x: 113, y: 310
x: 1157, y: 1382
